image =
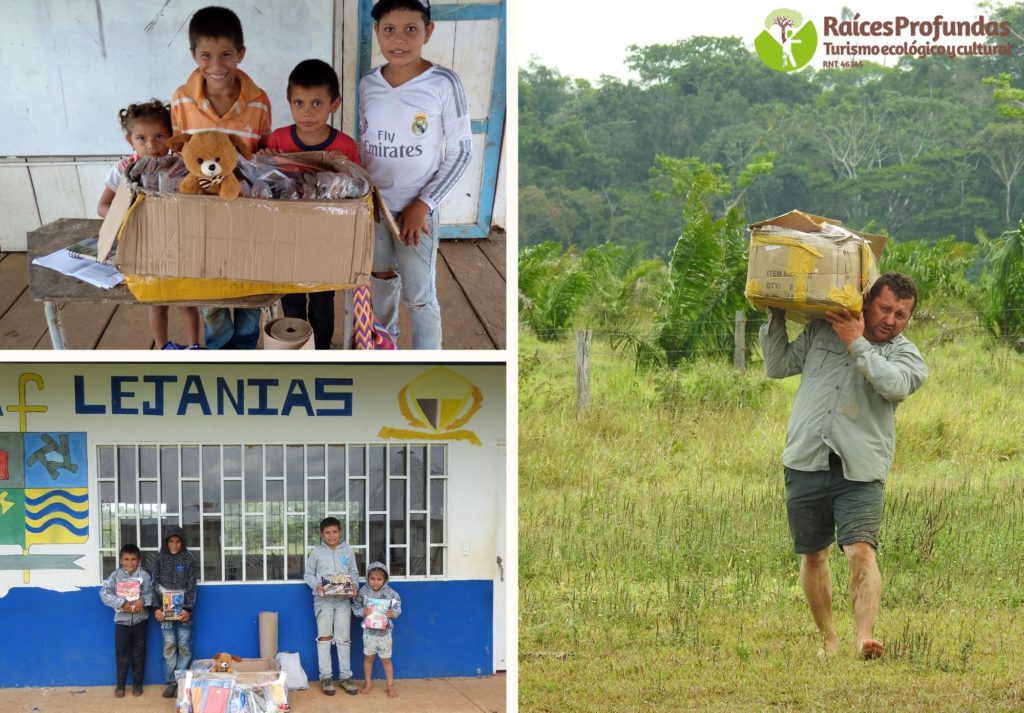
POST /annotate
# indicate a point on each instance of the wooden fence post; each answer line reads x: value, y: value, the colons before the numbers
x: 739, y: 354
x: 582, y: 371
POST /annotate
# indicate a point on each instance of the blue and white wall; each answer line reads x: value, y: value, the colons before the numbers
x: 56, y: 631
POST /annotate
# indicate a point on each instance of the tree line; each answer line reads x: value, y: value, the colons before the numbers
x: 918, y: 150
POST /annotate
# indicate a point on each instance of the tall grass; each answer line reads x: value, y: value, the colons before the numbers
x: 656, y: 571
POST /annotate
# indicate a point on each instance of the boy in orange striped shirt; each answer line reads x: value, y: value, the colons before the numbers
x: 220, y: 96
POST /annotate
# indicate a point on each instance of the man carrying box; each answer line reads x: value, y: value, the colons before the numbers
x: 855, y: 370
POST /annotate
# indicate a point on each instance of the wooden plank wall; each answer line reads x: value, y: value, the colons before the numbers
x: 39, y: 190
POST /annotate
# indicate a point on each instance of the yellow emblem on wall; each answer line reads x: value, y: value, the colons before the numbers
x: 440, y: 402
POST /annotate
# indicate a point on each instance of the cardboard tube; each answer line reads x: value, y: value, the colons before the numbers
x: 268, y: 634
x: 288, y: 333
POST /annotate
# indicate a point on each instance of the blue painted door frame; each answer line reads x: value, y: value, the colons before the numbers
x: 492, y: 127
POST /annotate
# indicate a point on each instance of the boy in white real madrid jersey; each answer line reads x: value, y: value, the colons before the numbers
x: 415, y: 141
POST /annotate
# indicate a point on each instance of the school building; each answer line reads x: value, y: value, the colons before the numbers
x: 247, y: 459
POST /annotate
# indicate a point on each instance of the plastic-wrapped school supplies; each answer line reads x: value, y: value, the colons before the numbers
x: 378, y: 616
x: 172, y: 601
x: 128, y: 589
x: 277, y: 177
x: 203, y: 692
x: 282, y: 177
x: 157, y: 173
x: 252, y: 692
x: 269, y: 695
x: 336, y: 585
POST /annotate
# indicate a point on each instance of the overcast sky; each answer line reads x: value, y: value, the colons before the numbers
x: 588, y: 39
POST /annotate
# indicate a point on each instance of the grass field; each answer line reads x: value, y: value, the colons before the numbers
x: 656, y: 572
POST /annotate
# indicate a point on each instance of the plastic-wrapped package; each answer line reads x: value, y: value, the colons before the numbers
x: 378, y: 616
x: 338, y: 584
x: 203, y: 692
x: 157, y: 174
x: 281, y: 186
x: 273, y: 178
x: 243, y: 692
x: 327, y: 185
x: 260, y: 693
x: 172, y: 602
x: 269, y: 177
x: 286, y: 177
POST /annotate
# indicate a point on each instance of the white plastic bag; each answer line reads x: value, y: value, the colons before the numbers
x: 292, y: 667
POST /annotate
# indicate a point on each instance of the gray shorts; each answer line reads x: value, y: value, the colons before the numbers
x: 824, y: 507
x: 379, y: 644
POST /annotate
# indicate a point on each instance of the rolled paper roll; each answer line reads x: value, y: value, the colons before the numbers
x: 288, y: 333
x: 268, y: 634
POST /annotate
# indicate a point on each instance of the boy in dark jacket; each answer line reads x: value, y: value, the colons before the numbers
x: 175, y: 571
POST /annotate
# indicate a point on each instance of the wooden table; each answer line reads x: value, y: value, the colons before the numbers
x: 54, y: 289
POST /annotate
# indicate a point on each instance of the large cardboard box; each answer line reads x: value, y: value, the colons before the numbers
x: 254, y: 685
x: 174, y: 246
x: 807, y: 264
x: 246, y: 665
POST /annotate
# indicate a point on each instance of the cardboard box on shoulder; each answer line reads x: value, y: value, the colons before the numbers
x: 174, y: 246
x: 807, y: 264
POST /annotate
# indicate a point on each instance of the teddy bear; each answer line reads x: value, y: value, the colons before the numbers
x: 210, y: 157
x: 222, y: 662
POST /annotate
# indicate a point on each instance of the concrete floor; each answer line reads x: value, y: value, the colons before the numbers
x: 427, y: 695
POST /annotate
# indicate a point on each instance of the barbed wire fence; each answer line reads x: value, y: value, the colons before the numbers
x: 944, y: 327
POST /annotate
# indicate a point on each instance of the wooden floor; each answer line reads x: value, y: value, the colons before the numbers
x: 470, y: 284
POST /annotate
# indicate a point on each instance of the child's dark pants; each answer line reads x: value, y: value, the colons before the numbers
x: 130, y: 645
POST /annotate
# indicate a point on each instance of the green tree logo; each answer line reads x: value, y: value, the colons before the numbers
x: 787, y: 43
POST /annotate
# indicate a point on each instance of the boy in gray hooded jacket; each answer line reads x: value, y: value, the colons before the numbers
x: 176, y: 569
x: 376, y: 640
x: 330, y: 561
x: 129, y: 592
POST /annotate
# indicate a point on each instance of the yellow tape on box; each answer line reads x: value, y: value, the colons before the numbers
x: 807, y: 265
x: 186, y: 289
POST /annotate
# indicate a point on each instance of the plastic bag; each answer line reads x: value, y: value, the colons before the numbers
x: 160, y: 174
x: 334, y: 186
x: 338, y: 584
x: 260, y: 693
x: 377, y: 619
x: 292, y: 668
x: 255, y: 692
x: 172, y: 602
x: 279, y: 177
x: 201, y: 692
x: 273, y: 177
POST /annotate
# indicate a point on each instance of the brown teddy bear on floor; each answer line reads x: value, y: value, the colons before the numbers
x: 210, y: 157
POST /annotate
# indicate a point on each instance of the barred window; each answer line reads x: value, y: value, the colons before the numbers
x: 252, y: 512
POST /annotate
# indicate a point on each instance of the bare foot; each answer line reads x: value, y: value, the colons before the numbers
x: 366, y: 688
x: 870, y: 649
x: 829, y: 647
x: 391, y: 691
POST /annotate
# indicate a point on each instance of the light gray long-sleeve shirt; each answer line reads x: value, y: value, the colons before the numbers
x: 323, y: 561
x: 847, y: 396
